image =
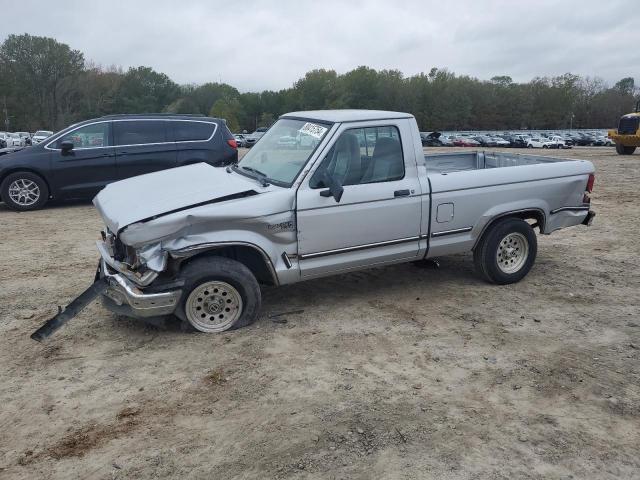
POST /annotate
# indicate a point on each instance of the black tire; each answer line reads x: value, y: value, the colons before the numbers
x: 544, y: 146
x: 622, y: 150
x: 486, y: 254
x: 220, y: 269
x: 28, y: 178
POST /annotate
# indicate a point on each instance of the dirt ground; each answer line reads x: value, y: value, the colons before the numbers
x: 394, y: 373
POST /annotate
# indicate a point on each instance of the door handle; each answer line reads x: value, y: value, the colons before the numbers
x: 402, y: 193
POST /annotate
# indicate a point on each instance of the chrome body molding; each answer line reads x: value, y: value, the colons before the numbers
x: 451, y: 232
x: 306, y: 256
x: 572, y: 209
x: 71, y: 130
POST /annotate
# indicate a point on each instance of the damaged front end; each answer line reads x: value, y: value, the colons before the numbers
x: 127, y: 271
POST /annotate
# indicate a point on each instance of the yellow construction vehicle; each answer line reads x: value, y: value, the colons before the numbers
x: 627, y: 136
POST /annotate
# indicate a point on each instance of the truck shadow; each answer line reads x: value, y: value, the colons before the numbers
x: 326, y: 297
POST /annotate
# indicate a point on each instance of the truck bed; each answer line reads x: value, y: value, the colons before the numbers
x: 478, y: 160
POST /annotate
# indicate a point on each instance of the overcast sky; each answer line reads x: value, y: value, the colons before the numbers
x: 257, y: 45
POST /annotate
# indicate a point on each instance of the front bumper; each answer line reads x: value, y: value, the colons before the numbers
x: 124, y: 298
x: 627, y: 140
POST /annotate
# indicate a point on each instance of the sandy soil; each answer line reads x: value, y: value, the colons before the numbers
x: 397, y: 373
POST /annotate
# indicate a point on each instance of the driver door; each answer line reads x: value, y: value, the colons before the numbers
x: 377, y: 219
x: 89, y: 166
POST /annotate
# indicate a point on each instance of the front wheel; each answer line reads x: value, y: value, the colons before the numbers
x: 506, y: 252
x: 219, y: 294
x: 24, y: 191
x: 622, y: 150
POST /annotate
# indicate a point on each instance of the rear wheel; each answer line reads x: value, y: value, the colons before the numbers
x: 24, y: 191
x: 506, y: 252
x: 219, y: 294
x: 622, y: 150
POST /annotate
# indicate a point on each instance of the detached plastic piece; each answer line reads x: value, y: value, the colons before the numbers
x: 70, y: 311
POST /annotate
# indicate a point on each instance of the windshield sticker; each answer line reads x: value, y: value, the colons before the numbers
x: 313, y: 129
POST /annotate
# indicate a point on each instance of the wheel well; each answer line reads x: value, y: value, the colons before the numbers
x: 536, y: 215
x: 16, y: 170
x: 249, y: 256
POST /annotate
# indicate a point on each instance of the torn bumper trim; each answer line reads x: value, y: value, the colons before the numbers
x: 130, y: 301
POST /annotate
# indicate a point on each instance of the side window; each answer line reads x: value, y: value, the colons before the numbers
x: 90, y: 136
x: 186, y: 131
x: 137, y: 132
x: 363, y: 155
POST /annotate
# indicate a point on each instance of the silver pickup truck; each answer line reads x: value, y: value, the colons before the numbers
x: 323, y: 192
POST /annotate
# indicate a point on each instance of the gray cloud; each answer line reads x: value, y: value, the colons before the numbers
x: 256, y: 45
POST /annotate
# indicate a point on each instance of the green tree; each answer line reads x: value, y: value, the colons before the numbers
x: 230, y: 110
x: 143, y: 90
x: 40, y: 75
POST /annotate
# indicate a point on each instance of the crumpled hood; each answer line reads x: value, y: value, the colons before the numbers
x: 146, y: 196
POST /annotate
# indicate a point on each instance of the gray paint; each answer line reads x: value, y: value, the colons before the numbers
x: 368, y: 227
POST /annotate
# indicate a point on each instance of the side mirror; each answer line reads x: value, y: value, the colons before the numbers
x: 66, y: 147
x: 335, y: 188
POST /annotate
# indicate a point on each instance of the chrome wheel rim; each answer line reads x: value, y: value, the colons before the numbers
x: 213, y: 306
x: 24, y: 192
x: 513, y: 251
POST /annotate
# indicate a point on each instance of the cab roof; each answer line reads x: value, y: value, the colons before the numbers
x: 341, y: 116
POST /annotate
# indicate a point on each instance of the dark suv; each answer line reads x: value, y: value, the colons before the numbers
x: 81, y: 159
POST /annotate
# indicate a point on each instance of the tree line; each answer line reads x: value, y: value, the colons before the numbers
x: 44, y: 84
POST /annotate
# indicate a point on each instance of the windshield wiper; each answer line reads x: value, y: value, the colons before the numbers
x: 262, y: 176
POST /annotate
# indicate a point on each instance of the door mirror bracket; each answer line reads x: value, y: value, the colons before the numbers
x: 66, y: 147
x: 335, y: 188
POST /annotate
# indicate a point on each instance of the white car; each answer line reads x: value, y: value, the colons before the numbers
x: 500, y: 142
x: 558, y: 142
x: 15, y: 140
x: 40, y: 135
x: 537, y: 142
x: 26, y: 138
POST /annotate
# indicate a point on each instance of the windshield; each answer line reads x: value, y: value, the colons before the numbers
x: 283, y: 150
x: 42, y: 133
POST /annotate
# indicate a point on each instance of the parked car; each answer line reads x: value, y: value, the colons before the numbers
x: 539, y: 142
x: 515, y: 141
x: 462, y: 141
x: 3, y: 140
x: 484, y: 140
x: 583, y: 139
x: 40, y: 135
x: 240, y: 139
x: 81, y: 159
x: 282, y: 216
x: 26, y: 136
x: 557, y: 141
x: 431, y: 139
x: 15, y: 140
x: 500, y: 142
x: 446, y: 141
x: 288, y: 141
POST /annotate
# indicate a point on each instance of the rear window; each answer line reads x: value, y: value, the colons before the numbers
x: 139, y: 132
x: 189, y: 131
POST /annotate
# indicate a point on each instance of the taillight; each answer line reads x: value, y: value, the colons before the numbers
x: 592, y: 178
x: 232, y: 143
